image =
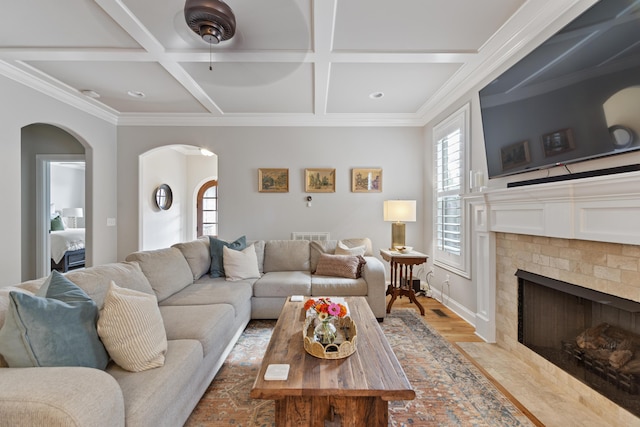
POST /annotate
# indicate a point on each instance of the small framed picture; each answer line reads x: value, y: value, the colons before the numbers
x: 273, y: 180
x: 515, y: 155
x: 366, y: 180
x: 557, y: 142
x: 320, y: 180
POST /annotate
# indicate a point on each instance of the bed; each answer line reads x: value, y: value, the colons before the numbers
x: 67, y: 249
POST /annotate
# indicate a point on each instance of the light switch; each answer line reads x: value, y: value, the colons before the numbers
x: 111, y: 222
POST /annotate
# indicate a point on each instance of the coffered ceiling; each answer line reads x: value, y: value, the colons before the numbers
x: 291, y: 62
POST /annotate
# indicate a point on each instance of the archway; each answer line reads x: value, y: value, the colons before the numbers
x: 40, y: 144
x: 183, y: 168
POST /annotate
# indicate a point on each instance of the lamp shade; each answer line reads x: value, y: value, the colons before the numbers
x: 72, y: 212
x: 400, y: 210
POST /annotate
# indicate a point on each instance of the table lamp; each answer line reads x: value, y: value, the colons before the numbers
x: 72, y: 214
x: 398, y: 211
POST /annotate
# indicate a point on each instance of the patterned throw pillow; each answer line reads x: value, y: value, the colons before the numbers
x: 131, y: 328
x: 338, y: 266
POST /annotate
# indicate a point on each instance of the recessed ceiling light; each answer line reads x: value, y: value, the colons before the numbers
x: 376, y: 95
x: 90, y: 93
x: 136, y: 94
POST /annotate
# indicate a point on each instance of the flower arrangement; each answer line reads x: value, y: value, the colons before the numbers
x: 325, y: 309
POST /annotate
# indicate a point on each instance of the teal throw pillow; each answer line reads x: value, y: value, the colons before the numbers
x: 216, y: 245
x: 57, y: 224
x: 55, y: 327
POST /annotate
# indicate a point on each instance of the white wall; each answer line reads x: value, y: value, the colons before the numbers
x: 67, y: 189
x: 163, y: 228
x: 21, y: 106
x: 200, y: 169
x: 245, y: 211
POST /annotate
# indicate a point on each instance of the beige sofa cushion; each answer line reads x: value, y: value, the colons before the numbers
x: 286, y: 255
x: 338, y: 286
x: 167, y: 270
x: 259, y: 246
x: 172, y: 386
x: 355, y: 242
x: 95, y: 280
x: 283, y: 284
x: 197, y: 254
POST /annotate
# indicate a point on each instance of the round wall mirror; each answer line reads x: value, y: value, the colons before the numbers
x: 163, y: 197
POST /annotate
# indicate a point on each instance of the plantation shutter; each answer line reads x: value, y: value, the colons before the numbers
x: 449, y: 229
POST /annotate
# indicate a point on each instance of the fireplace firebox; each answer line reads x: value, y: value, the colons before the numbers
x: 593, y: 336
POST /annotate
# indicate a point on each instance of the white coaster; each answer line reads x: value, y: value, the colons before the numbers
x: 296, y: 298
x: 276, y: 372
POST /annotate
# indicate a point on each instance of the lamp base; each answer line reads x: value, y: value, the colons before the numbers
x: 397, y: 234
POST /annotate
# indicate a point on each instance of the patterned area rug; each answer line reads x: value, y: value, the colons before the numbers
x: 450, y: 391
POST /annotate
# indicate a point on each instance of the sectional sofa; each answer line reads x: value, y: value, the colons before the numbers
x: 202, y: 317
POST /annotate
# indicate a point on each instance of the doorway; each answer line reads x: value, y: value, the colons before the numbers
x: 60, y: 207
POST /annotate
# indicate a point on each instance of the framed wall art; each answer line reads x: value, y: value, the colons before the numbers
x: 320, y: 180
x: 514, y: 155
x: 366, y: 180
x: 273, y: 180
x: 557, y: 142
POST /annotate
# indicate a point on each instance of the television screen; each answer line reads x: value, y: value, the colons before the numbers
x: 575, y: 97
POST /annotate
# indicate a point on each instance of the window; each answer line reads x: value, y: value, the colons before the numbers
x: 451, y: 140
x: 208, y: 209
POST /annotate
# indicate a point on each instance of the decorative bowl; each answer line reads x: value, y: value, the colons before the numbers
x: 404, y: 249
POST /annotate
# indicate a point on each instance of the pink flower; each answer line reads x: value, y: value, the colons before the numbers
x: 334, y: 309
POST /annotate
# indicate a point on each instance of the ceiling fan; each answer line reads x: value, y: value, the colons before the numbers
x: 212, y: 20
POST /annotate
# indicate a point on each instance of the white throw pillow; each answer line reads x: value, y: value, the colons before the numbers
x: 240, y: 265
x: 343, y: 249
x: 131, y: 329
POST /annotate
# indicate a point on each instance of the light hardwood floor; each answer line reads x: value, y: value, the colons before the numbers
x: 543, y: 402
x: 452, y: 327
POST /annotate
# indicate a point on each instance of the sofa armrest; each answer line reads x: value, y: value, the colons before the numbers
x: 60, y: 396
x: 374, y: 275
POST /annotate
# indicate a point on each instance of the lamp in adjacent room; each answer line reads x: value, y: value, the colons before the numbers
x: 73, y: 214
x: 399, y: 211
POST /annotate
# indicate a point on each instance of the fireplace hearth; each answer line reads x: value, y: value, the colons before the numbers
x: 593, y: 336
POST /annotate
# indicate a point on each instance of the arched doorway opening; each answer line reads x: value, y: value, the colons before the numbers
x: 183, y: 168
x: 44, y: 145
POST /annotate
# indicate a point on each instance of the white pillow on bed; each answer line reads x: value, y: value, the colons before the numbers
x: 240, y: 265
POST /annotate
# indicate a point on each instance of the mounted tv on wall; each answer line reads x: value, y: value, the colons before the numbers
x: 575, y: 97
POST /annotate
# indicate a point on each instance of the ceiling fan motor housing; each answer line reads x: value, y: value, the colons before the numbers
x: 213, y: 20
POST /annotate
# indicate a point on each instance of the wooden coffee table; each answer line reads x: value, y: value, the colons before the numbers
x: 353, y: 391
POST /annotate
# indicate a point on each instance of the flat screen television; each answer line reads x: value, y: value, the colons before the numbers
x: 573, y: 98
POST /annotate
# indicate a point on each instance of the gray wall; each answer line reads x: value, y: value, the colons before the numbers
x: 20, y: 107
x: 245, y: 211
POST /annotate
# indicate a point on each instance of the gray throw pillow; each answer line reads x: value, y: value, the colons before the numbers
x: 55, y: 327
x: 216, y: 245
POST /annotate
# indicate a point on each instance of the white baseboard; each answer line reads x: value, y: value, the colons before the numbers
x: 456, y: 307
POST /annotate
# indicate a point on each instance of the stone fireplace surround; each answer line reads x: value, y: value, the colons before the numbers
x: 585, y: 232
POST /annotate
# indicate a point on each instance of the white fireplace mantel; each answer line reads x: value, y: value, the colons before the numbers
x: 604, y: 208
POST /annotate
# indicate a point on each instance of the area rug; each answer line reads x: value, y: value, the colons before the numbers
x: 450, y: 390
